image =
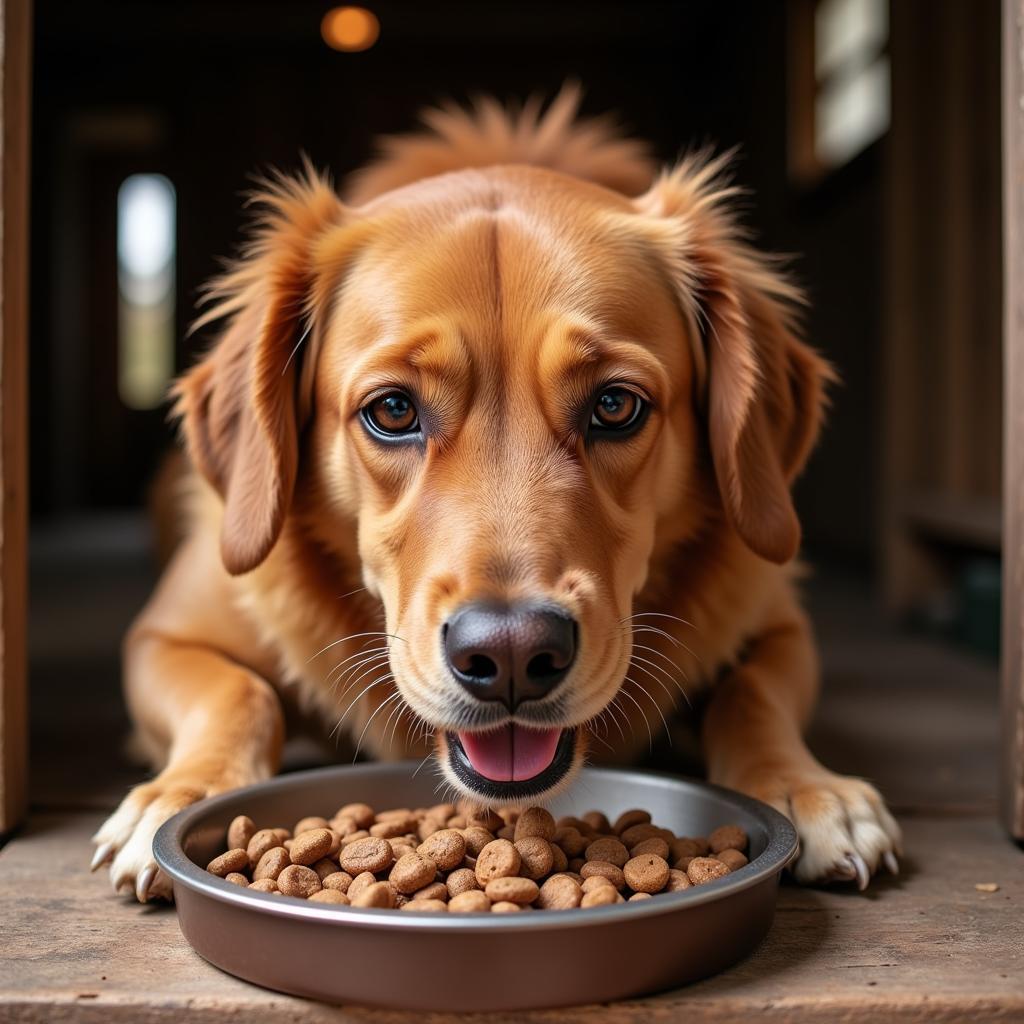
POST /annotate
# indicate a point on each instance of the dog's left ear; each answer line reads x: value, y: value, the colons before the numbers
x: 762, y: 388
x: 238, y: 406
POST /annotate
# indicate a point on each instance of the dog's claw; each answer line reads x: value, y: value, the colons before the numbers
x: 103, y: 853
x: 144, y: 881
x: 844, y: 871
x: 860, y: 869
x: 891, y: 863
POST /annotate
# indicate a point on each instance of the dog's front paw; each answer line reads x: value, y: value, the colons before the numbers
x: 126, y: 838
x: 846, y: 832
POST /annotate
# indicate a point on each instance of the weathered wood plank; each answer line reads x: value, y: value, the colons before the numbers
x: 1013, y: 439
x: 927, y: 947
x: 15, y: 19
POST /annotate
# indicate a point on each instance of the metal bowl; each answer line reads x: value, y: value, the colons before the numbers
x: 430, y: 961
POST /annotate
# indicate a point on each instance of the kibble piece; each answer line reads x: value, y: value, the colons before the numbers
x: 265, y: 839
x: 434, y: 891
x: 392, y: 828
x: 354, y: 837
x: 602, y: 867
x: 559, y: 861
x: 362, y: 814
x: 655, y: 845
x: 677, y: 881
x: 705, y: 869
x: 427, y: 827
x: 442, y: 812
x: 683, y: 863
x: 445, y: 848
x: 427, y: 905
x: 461, y: 880
x: 379, y: 894
x: 609, y: 850
x: 476, y: 839
x: 498, y: 859
x: 559, y: 892
x: 226, y: 863
x: 310, y: 845
x: 324, y: 867
x: 237, y: 878
x: 298, y: 880
x: 512, y: 890
x: 487, y: 819
x: 598, y: 822
x: 329, y: 896
x: 412, y: 872
x: 535, y: 856
x: 728, y: 837
x: 370, y: 854
x: 638, y: 833
x: 264, y: 885
x: 240, y: 831
x: 689, y: 847
x: 344, y: 826
x: 732, y: 859
x: 628, y: 818
x: 282, y: 834
x: 647, y: 873
x: 271, y: 864
x: 456, y: 821
x: 339, y: 880
x: 637, y: 896
x: 471, y: 901
x: 535, y: 821
x: 308, y: 824
x: 360, y: 883
x: 571, y: 841
x: 596, y: 882
x: 505, y: 907
x: 599, y: 896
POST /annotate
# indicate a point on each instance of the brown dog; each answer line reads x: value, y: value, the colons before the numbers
x: 494, y: 460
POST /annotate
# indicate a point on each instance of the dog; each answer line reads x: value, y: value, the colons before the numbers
x: 491, y: 463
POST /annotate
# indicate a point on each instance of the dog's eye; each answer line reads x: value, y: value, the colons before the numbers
x: 616, y: 409
x: 392, y: 414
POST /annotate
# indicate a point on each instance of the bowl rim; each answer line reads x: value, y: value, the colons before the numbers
x: 170, y: 855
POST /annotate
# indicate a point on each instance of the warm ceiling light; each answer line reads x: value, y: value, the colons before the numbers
x: 350, y: 29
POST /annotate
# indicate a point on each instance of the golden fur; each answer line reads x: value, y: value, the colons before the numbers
x: 499, y: 266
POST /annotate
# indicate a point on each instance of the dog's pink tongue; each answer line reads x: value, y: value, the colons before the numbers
x: 510, y: 753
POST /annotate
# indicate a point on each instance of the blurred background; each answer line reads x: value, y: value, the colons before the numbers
x: 867, y: 133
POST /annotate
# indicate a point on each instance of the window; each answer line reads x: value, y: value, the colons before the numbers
x: 146, y: 246
x: 839, y: 83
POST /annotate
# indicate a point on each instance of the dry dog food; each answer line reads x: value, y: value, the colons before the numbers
x: 460, y: 859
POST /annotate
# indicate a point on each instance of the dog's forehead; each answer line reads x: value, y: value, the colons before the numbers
x: 504, y: 261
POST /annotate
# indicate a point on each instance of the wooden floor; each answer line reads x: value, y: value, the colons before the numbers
x: 918, y: 718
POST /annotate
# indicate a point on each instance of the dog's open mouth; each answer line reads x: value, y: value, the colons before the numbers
x: 512, y: 762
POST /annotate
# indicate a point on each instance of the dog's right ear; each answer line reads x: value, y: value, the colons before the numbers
x: 238, y: 407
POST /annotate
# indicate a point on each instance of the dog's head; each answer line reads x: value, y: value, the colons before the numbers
x: 514, y: 389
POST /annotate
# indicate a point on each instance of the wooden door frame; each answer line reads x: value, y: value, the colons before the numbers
x: 15, y: 86
x: 1012, y: 718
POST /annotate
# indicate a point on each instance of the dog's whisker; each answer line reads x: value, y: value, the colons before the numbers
x: 372, y: 666
x: 633, y: 630
x: 398, y: 709
x: 636, y: 661
x: 421, y: 764
x: 625, y: 693
x: 359, y: 654
x: 614, y: 711
x: 365, y: 660
x: 661, y: 654
x: 358, y: 590
x: 352, y: 703
x: 353, y: 636
x: 380, y: 707
x: 657, y: 707
x: 657, y: 615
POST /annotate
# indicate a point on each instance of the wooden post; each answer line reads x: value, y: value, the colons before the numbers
x: 1013, y: 439
x: 15, y: 29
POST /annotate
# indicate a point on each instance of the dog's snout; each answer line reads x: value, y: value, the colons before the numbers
x: 511, y: 653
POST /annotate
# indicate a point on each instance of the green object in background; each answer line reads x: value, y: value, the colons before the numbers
x: 980, y: 593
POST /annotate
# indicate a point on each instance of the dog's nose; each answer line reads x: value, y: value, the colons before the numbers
x: 510, y: 653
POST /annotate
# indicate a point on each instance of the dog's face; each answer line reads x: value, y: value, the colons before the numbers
x: 506, y: 392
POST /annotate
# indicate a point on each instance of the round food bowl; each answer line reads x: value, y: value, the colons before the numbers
x: 432, y: 961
